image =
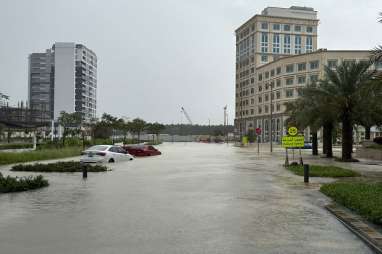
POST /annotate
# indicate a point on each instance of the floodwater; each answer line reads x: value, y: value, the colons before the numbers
x: 195, y: 198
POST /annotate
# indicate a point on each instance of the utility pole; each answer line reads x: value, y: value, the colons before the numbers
x: 270, y: 124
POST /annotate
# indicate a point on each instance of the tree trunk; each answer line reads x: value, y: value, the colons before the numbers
x: 367, y: 132
x: 314, y: 143
x: 347, y: 137
x: 328, y: 145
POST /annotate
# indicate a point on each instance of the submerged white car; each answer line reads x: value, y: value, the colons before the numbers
x: 105, y: 153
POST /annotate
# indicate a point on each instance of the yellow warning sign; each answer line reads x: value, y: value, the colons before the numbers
x: 293, y: 141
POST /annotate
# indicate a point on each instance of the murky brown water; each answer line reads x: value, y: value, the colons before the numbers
x: 195, y: 198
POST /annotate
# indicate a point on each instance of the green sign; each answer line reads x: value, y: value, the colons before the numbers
x: 293, y: 141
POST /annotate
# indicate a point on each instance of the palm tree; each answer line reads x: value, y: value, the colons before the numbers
x: 137, y: 126
x: 70, y: 122
x: 312, y: 109
x: 343, y: 88
x: 155, y: 128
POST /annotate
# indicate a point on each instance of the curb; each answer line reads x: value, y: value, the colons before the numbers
x: 355, y: 224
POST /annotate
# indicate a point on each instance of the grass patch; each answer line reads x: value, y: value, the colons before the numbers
x: 61, y: 167
x: 323, y: 171
x: 44, y: 154
x: 375, y: 146
x: 363, y: 198
x: 16, y: 184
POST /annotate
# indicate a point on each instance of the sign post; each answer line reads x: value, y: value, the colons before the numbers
x: 258, y: 133
x: 292, y: 140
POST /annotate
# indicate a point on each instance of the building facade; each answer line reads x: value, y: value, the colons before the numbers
x: 4, y: 100
x: 280, y: 81
x: 267, y: 37
x: 64, y: 78
x: 276, y: 55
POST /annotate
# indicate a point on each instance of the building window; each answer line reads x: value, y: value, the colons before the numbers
x: 309, y: 29
x: 267, y: 74
x: 266, y: 108
x: 266, y: 97
x: 349, y: 61
x: 314, y: 64
x: 289, y: 81
x: 301, y: 66
x: 264, y: 25
x: 278, y: 82
x: 260, y: 88
x: 260, y: 77
x: 289, y: 68
x: 278, y: 109
x: 278, y: 95
x: 278, y: 70
x: 252, y: 80
x: 264, y: 42
x: 313, y: 78
x: 297, y: 44
x: 272, y: 73
x: 297, y: 28
x: 299, y: 91
x: 289, y: 93
x: 259, y: 110
x: 301, y: 80
x: 286, y: 27
x: 264, y: 58
x: 252, y: 90
x: 260, y: 99
x: 276, y: 27
x: 286, y: 44
x: 272, y: 84
x: 252, y: 111
x: 332, y: 63
x: 276, y: 43
x: 309, y: 44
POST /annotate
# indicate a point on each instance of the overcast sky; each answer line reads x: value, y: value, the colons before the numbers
x: 155, y: 56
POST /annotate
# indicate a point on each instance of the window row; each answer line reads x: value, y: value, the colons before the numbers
x: 286, y: 27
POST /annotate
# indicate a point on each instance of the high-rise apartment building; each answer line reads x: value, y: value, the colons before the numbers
x: 64, y: 78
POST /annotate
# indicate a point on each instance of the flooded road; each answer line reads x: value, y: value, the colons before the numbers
x: 195, y: 198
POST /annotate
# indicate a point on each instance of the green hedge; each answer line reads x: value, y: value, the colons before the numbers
x: 61, y: 166
x: 323, y: 171
x: 363, y: 198
x: 43, y: 154
x: 15, y: 146
x: 15, y: 184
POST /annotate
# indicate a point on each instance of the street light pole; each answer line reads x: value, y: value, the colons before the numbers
x: 270, y: 124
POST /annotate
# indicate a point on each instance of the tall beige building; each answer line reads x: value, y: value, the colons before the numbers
x: 264, y: 38
x: 276, y: 55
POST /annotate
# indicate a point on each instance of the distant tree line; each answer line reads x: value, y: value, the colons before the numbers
x: 195, y: 129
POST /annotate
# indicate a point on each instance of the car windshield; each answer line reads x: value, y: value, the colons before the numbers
x: 98, y: 148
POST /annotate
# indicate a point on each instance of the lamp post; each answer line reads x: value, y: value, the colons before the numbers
x: 270, y: 124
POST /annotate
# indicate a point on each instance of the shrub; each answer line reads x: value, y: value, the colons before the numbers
x: 15, y: 184
x: 15, y: 146
x: 378, y: 140
x: 363, y: 198
x: 61, y: 166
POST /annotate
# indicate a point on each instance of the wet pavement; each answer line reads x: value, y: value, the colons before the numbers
x: 195, y: 198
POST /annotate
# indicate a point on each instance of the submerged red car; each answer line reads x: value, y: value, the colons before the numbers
x: 142, y: 150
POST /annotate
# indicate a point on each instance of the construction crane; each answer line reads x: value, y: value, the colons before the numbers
x: 186, y: 115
